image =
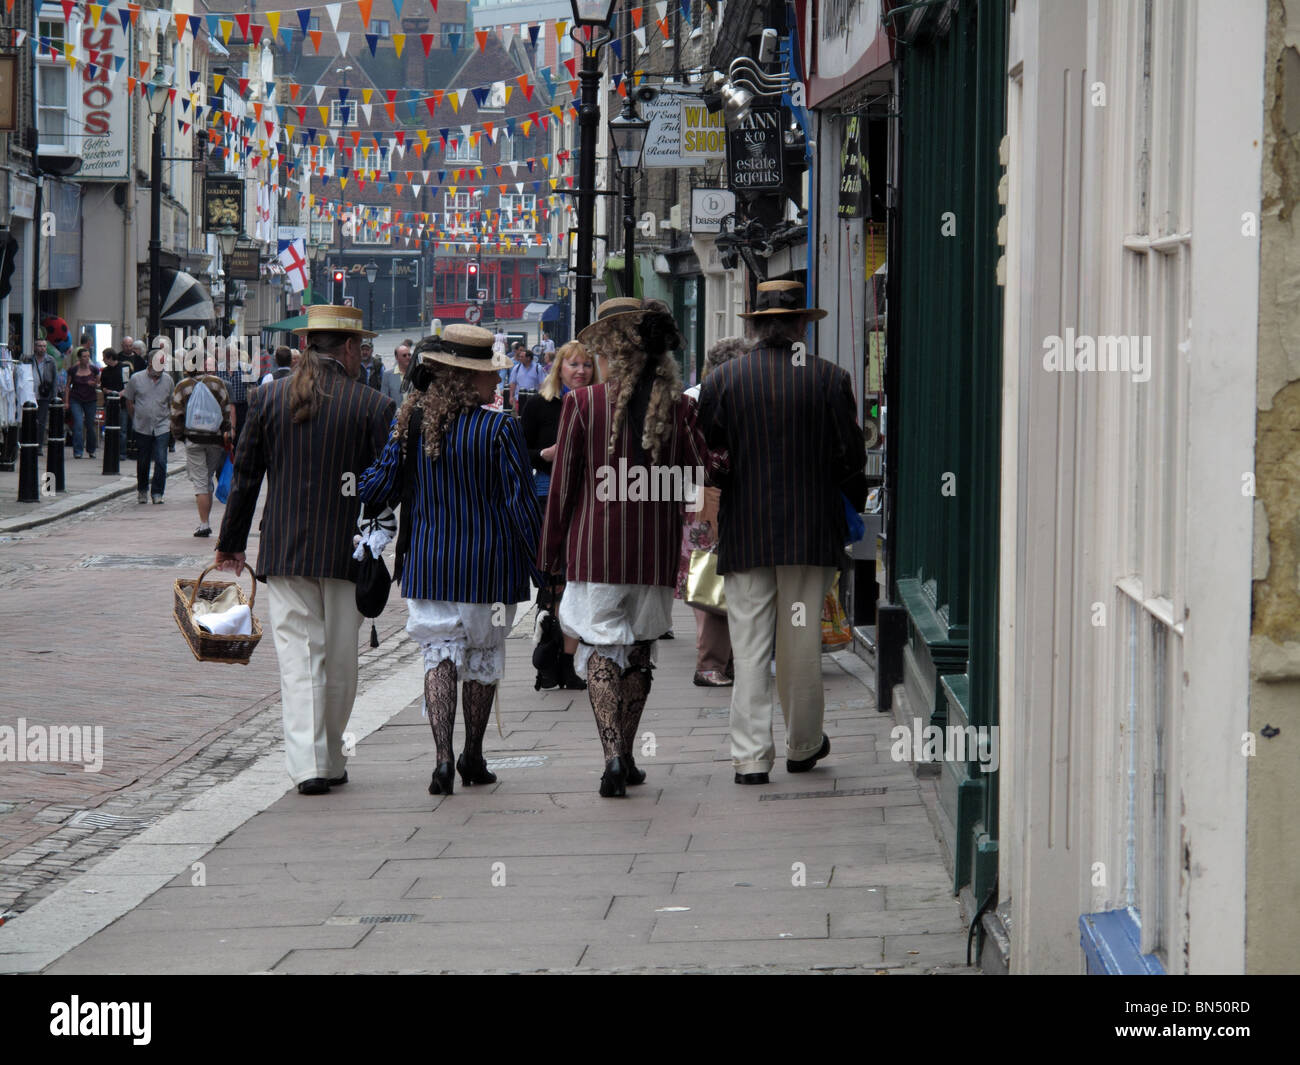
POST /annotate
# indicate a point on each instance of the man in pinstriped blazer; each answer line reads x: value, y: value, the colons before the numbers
x: 789, y: 422
x: 312, y: 434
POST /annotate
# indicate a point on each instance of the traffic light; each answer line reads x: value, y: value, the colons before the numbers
x: 337, y: 298
x: 471, y: 281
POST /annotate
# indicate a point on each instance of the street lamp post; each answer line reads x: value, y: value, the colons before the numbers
x: 227, y: 238
x: 628, y: 132
x: 588, y: 16
x: 159, y: 89
x: 372, y: 272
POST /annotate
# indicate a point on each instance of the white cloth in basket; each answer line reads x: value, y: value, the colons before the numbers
x: 237, y: 621
x: 218, y: 604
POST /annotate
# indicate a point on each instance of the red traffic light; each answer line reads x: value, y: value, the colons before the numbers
x: 473, y: 269
x: 338, y: 275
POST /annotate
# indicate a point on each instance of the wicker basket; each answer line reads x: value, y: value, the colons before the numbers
x: 209, y: 646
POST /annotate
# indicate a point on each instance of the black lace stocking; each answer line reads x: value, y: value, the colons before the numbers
x: 605, y: 687
x: 476, y: 707
x: 636, y: 690
x: 440, y: 701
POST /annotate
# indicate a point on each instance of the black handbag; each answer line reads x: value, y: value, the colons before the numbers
x: 373, y: 584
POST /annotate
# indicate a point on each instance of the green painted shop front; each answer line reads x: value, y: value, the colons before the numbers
x: 944, y: 383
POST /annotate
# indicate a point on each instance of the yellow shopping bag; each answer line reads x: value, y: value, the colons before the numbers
x: 835, y: 624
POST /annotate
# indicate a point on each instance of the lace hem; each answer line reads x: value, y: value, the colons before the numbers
x: 487, y: 665
x: 616, y: 652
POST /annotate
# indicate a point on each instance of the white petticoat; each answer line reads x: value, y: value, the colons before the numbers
x: 611, y: 618
x: 472, y: 635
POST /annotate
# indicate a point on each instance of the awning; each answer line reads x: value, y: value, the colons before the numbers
x: 184, y: 299
x: 289, y: 325
x: 542, y: 312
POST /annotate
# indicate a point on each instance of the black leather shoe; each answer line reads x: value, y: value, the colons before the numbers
x: 635, y: 775
x: 444, y: 778
x: 614, y: 781
x: 315, y: 786
x: 335, y: 782
x: 807, y: 763
x: 474, y: 772
x: 752, y: 778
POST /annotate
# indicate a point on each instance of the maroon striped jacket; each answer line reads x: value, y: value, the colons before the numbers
x: 614, y: 518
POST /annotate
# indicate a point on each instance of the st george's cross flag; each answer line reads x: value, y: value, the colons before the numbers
x: 294, y: 261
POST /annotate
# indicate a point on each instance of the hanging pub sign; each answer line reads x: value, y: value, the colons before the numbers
x: 754, y: 152
x: 855, y: 201
x: 242, y: 264
x: 223, y: 204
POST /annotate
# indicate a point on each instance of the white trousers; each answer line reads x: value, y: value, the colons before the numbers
x: 315, y: 622
x: 781, y: 603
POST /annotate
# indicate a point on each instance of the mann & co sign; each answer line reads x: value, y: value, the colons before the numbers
x: 754, y: 161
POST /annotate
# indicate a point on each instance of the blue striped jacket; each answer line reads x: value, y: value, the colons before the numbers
x: 475, y: 522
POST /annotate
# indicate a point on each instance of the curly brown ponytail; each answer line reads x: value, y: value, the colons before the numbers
x: 449, y: 394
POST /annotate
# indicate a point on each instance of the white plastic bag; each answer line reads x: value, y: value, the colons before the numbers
x: 202, y: 412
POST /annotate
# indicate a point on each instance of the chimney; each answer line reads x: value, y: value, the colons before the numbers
x: 417, y: 70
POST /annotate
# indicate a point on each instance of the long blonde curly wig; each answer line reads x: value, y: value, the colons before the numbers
x: 638, y: 348
x: 449, y: 394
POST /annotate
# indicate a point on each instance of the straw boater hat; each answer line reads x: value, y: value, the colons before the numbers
x: 619, y: 308
x: 324, y: 317
x: 782, y: 298
x: 467, y: 347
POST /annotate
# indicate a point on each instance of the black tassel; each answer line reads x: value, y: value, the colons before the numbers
x: 374, y: 636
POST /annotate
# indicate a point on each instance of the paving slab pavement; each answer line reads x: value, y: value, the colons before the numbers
x: 536, y: 873
x: 85, y: 485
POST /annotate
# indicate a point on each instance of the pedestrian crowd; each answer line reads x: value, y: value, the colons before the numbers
x: 769, y: 460
x: 766, y: 450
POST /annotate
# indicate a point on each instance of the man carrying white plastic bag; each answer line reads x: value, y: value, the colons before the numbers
x: 204, y: 418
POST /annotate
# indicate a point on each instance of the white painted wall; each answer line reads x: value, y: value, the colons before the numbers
x: 1114, y: 493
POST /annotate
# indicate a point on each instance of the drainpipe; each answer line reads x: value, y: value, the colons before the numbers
x: 129, y: 257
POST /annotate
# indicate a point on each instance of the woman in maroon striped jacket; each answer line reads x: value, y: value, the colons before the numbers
x: 627, y: 454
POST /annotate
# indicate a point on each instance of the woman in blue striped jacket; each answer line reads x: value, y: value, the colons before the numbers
x: 470, y: 530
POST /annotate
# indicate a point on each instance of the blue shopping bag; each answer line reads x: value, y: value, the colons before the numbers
x: 223, y: 482
x: 857, y: 527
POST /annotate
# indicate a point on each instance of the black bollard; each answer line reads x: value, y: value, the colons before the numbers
x: 112, y: 433
x: 29, y: 488
x: 9, y: 449
x: 56, y: 444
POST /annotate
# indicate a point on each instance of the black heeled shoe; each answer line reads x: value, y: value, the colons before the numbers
x: 444, y: 777
x: 474, y: 772
x: 635, y: 775
x: 614, y: 781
